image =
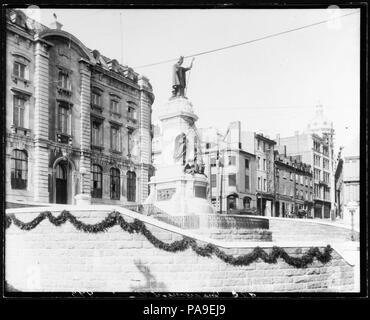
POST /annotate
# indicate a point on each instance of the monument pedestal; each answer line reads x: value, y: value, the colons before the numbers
x: 171, y: 189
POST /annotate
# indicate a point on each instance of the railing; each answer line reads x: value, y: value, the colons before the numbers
x: 207, y: 221
x: 236, y: 222
x: 146, y: 209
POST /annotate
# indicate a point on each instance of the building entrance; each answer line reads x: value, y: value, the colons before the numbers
x: 61, y: 183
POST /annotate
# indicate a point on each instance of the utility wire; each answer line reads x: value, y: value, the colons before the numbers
x: 247, y: 42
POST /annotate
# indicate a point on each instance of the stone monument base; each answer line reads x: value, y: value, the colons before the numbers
x: 180, y: 196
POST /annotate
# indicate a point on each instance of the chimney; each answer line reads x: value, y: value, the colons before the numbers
x: 285, y: 151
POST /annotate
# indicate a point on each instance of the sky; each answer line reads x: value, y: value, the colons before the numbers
x: 271, y: 86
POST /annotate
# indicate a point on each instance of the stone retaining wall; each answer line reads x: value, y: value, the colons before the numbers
x: 50, y: 258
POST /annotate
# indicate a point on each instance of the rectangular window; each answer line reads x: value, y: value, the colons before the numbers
x: 115, y: 141
x: 64, y: 80
x: 19, y: 169
x: 246, y: 182
x: 326, y: 177
x: 259, y: 183
x: 96, y: 181
x: 114, y: 106
x: 129, y: 141
x: 258, y: 162
x: 63, y: 118
x: 19, y: 70
x: 325, y: 150
x: 115, y: 184
x: 232, y: 179
x: 264, y: 185
x: 232, y: 160
x: 18, y: 111
x: 213, y: 181
x: 96, y: 99
x: 264, y: 164
x: 131, y: 113
x: 246, y: 163
x: 326, y: 163
x: 96, y: 133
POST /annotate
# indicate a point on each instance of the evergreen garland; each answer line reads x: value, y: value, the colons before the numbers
x: 137, y: 226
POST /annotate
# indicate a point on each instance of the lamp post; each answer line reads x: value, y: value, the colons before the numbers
x: 83, y: 198
x: 83, y: 171
x: 352, y: 206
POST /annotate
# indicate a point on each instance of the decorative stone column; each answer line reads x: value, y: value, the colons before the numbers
x: 85, y: 128
x: 41, y: 122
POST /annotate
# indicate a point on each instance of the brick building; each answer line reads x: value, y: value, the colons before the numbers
x: 293, y: 186
x: 315, y: 147
x: 76, y: 121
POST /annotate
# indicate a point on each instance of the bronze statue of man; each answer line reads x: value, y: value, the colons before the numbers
x: 179, y: 78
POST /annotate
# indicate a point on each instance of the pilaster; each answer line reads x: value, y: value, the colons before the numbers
x: 85, y: 127
x: 145, y: 141
x: 41, y: 122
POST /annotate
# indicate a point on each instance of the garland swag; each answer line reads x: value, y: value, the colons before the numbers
x: 137, y: 226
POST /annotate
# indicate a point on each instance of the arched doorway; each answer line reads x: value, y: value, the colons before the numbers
x: 61, y: 183
x: 247, y: 202
x: 231, y: 201
x: 64, y: 181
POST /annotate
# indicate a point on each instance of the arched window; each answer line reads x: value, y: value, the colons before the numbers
x: 114, y: 184
x: 246, y: 202
x: 96, y: 181
x: 231, y: 201
x: 131, y: 186
x: 19, y: 164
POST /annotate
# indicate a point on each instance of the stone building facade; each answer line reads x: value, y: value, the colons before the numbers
x: 231, y: 170
x: 263, y: 148
x: 347, y: 183
x: 76, y: 122
x: 293, y: 186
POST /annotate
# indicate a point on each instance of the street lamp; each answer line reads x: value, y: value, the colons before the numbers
x: 83, y: 171
x: 352, y: 207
